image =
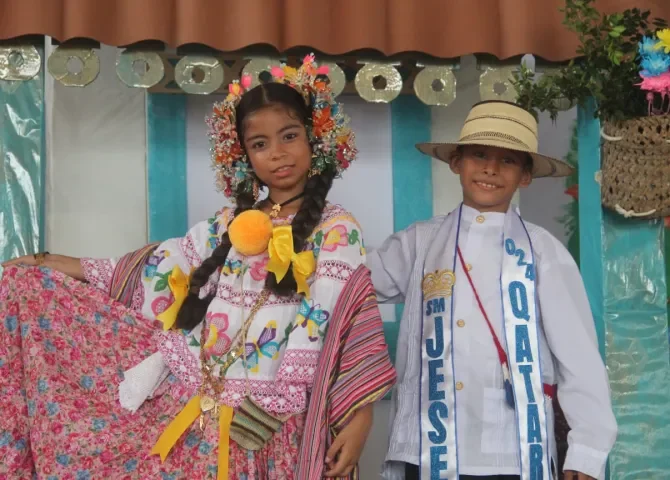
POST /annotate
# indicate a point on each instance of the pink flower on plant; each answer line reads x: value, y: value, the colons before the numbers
x: 336, y: 237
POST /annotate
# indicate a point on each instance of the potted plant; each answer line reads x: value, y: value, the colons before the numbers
x: 624, y: 65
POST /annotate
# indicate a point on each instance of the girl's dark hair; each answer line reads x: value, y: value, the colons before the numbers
x: 305, y: 221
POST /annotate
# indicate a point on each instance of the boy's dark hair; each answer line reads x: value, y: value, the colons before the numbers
x: 305, y: 221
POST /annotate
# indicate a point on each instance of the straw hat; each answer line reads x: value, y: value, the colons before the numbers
x: 505, y: 125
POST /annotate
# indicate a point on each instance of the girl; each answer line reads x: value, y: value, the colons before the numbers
x: 222, y: 388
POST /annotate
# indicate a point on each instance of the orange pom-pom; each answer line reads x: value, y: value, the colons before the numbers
x: 250, y: 232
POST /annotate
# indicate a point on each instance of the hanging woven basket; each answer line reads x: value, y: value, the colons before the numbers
x: 636, y: 167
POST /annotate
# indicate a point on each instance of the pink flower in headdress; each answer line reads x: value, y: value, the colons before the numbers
x: 309, y: 59
x: 246, y: 81
x: 235, y: 88
x: 323, y: 70
x: 277, y: 72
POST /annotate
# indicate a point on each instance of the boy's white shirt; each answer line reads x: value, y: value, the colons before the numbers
x: 487, y: 437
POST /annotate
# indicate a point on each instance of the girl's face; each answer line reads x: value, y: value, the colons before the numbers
x: 276, y: 142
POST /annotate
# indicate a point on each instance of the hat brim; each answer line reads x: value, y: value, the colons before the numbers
x: 543, y: 166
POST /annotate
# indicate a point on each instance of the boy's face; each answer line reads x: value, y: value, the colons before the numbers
x: 490, y: 176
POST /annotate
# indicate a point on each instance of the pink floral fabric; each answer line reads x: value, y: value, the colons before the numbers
x: 63, y: 348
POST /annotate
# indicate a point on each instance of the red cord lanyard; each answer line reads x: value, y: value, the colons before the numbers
x: 501, y: 351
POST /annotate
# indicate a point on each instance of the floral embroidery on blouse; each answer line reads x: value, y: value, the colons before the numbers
x: 218, y: 342
x: 259, y: 269
x: 334, y: 238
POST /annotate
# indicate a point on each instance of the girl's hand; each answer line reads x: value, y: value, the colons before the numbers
x: 27, y: 260
x: 343, y: 454
x: 70, y: 266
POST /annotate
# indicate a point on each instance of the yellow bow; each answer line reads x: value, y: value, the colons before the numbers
x: 178, y: 283
x: 282, y: 256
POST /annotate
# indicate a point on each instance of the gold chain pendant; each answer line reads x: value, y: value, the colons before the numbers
x: 275, y: 210
x: 207, y: 404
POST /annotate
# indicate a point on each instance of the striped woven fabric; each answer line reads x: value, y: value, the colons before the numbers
x: 354, y: 370
x: 128, y: 274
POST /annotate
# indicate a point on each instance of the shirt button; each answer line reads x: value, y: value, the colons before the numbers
x: 480, y: 219
x: 461, y: 323
x: 459, y: 385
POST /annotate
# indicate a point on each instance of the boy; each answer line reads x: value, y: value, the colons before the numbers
x: 495, y: 316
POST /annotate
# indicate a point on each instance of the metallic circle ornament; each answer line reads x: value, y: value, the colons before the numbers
x: 429, y: 78
x: 256, y: 67
x: 58, y: 66
x: 365, y: 79
x: 209, y: 67
x: 495, y: 84
x: 336, y: 77
x: 19, y: 63
x: 153, y: 73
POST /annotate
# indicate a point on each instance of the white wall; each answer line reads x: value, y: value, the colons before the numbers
x: 544, y: 200
x: 96, y: 176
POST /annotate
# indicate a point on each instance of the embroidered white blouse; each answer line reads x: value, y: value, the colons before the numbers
x: 286, y: 335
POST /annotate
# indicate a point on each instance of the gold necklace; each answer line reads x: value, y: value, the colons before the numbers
x: 276, y: 207
x: 237, y: 346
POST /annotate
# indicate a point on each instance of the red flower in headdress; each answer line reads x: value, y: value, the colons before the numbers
x: 322, y: 121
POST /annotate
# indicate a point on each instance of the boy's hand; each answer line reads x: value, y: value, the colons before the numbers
x: 572, y: 475
x: 343, y: 454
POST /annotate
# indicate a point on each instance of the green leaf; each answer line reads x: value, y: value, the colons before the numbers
x: 161, y: 285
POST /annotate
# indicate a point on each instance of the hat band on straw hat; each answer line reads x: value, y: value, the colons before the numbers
x: 502, y: 137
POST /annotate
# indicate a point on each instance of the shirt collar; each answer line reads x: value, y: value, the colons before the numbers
x: 472, y: 216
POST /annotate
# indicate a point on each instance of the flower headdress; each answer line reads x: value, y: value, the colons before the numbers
x: 333, y: 143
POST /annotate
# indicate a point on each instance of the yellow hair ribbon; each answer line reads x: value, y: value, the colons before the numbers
x: 176, y: 429
x: 178, y: 283
x: 303, y: 266
x: 282, y: 255
x: 225, y: 419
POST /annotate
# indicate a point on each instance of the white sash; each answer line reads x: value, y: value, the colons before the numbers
x: 439, y: 446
